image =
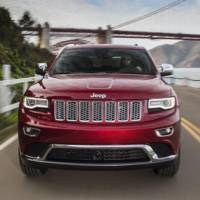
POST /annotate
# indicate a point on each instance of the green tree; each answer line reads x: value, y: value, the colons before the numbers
x: 26, y: 20
x: 14, y: 50
x: 10, y: 34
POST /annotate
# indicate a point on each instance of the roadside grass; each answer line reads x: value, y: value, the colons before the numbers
x: 8, y: 125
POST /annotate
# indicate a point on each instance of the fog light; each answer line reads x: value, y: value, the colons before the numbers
x: 30, y: 131
x: 168, y: 131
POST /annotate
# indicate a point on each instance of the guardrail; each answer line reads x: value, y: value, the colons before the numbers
x: 10, y: 82
x: 170, y: 80
x: 195, y: 83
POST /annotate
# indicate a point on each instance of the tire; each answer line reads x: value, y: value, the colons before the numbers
x: 170, y: 169
x: 30, y: 171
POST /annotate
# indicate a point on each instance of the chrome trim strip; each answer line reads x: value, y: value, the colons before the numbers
x: 128, y: 164
x: 51, y: 146
x: 118, y: 111
x: 115, y: 110
x: 159, y: 135
x: 55, y: 110
x: 102, y: 111
x: 131, y: 110
x: 79, y: 112
x: 148, y: 150
x: 76, y: 113
x: 29, y: 135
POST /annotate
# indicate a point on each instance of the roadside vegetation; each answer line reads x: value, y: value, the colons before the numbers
x: 20, y: 54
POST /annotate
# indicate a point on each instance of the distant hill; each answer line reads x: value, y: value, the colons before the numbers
x: 180, y: 54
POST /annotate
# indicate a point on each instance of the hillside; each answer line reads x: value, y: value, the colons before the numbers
x: 180, y: 54
x: 22, y: 56
x: 16, y: 51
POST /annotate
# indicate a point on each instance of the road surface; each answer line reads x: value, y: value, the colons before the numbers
x: 129, y: 184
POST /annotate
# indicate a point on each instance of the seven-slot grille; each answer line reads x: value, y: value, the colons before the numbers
x: 97, y: 111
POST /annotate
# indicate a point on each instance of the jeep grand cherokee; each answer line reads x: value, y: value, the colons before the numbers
x: 102, y: 107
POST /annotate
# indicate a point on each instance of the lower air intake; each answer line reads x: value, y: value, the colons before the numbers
x: 96, y: 156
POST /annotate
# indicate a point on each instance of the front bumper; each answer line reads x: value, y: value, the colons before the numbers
x: 61, y: 135
x: 142, y: 132
x: 153, y: 159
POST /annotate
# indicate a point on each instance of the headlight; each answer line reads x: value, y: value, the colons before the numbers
x: 164, y: 103
x: 31, y: 102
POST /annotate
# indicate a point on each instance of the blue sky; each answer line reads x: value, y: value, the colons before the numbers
x: 94, y: 13
x: 151, y: 3
x: 138, y: 3
x: 95, y: 2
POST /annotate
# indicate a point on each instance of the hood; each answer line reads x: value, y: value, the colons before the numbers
x: 113, y: 86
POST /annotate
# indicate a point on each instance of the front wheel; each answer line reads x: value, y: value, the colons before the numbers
x: 170, y: 169
x: 30, y: 171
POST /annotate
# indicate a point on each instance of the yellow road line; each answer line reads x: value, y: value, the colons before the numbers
x: 191, y: 132
x: 191, y: 125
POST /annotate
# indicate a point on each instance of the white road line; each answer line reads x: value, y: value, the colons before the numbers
x: 8, y: 142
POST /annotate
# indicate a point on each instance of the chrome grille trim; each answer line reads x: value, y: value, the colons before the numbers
x: 84, y: 111
x: 72, y: 111
x: 123, y: 111
x: 97, y: 111
x: 110, y: 111
x: 59, y: 110
x: 135, y: 111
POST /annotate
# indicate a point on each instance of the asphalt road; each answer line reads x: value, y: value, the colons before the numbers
x: 129, y: 184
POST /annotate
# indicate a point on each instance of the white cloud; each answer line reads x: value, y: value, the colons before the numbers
x: 81, y: 13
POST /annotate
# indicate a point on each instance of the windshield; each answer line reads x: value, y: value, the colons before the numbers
x: 100, y: 60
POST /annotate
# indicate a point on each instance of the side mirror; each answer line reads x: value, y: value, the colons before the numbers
x: 41, y: 68
x: 166, y: 69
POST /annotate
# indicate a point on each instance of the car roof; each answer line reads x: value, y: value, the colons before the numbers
x: 105, y: 46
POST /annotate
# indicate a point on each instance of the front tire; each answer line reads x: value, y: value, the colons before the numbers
x: 170, y: 169
x: 30, y: 171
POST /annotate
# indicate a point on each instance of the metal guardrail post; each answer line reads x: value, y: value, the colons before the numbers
x: 6, y: 71
x: 6, y: 95
x: 25, y: 86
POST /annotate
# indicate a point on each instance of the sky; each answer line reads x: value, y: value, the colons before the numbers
x: 184, y: 18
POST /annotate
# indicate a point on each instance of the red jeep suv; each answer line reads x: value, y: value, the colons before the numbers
x: 100, y: 107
